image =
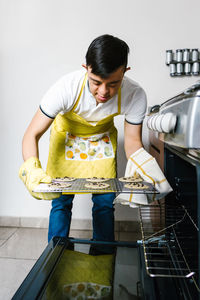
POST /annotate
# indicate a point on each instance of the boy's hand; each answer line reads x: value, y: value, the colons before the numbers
x: 32, y: 174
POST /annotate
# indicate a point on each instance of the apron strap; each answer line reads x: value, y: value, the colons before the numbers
x: 119, y: 101
x: 81, y: 91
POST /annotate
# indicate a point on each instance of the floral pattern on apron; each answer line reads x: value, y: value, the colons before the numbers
x: 92, y: 148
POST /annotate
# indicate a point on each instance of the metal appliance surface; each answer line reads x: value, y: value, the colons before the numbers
x: 177, y: 120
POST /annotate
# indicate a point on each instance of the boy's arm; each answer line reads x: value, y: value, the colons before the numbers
x: 38, y: 126
x: 31, y: 172
x: 132, y: 138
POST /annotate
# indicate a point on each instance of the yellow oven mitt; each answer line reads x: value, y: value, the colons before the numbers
x: 146, y: 166
x: 31, y: 173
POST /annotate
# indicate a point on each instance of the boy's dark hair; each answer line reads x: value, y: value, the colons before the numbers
x: 106, y: 54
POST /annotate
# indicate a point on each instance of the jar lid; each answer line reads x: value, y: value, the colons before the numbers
x: 168, y: 50
x: 179, y: 50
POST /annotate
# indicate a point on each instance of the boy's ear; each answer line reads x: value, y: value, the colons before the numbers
x: 85, y: 66
x: 127, y: 69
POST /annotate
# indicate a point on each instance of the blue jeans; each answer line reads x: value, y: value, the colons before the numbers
x: 102, y: 214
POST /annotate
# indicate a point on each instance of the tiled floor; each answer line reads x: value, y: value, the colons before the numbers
x: 21, y: 247
x: 19, y: 250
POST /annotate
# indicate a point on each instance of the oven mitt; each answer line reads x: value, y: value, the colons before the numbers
x: 146, y: 166
x: 31, y: 173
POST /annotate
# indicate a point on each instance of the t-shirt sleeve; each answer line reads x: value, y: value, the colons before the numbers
x: 59, y: 98
x: 136, y: 107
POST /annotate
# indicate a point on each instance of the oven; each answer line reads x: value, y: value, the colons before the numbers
x: 169, y: 250
x: 170, y: 229
x: 165, y: 263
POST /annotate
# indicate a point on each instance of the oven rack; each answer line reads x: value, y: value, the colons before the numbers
x: 166, y: 244
x: 78, y: 187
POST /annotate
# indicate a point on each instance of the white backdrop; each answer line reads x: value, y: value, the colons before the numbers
x: 42, y: 40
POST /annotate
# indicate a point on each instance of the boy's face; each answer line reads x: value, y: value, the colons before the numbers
x: 104, y: 89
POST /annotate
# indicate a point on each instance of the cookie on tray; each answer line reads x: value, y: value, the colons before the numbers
x: 64, y: 179
x: 97, y: 185
x: 136, y: 185
x: 57, y: 185
x: 97, y: 179
x: 131, y: 179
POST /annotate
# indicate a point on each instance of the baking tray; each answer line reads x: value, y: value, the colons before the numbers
x: 78, y: 186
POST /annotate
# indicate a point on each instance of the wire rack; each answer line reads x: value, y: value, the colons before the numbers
x: 78, y: 186
x: 168, y: 235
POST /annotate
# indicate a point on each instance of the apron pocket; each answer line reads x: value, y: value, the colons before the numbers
x: 95, y: 147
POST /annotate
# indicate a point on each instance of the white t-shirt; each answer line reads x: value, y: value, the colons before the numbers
x: 61, y: 97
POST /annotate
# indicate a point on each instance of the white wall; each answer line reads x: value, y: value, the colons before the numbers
x: 42, y: 40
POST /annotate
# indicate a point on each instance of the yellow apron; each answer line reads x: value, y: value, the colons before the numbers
x: 80, y: 149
